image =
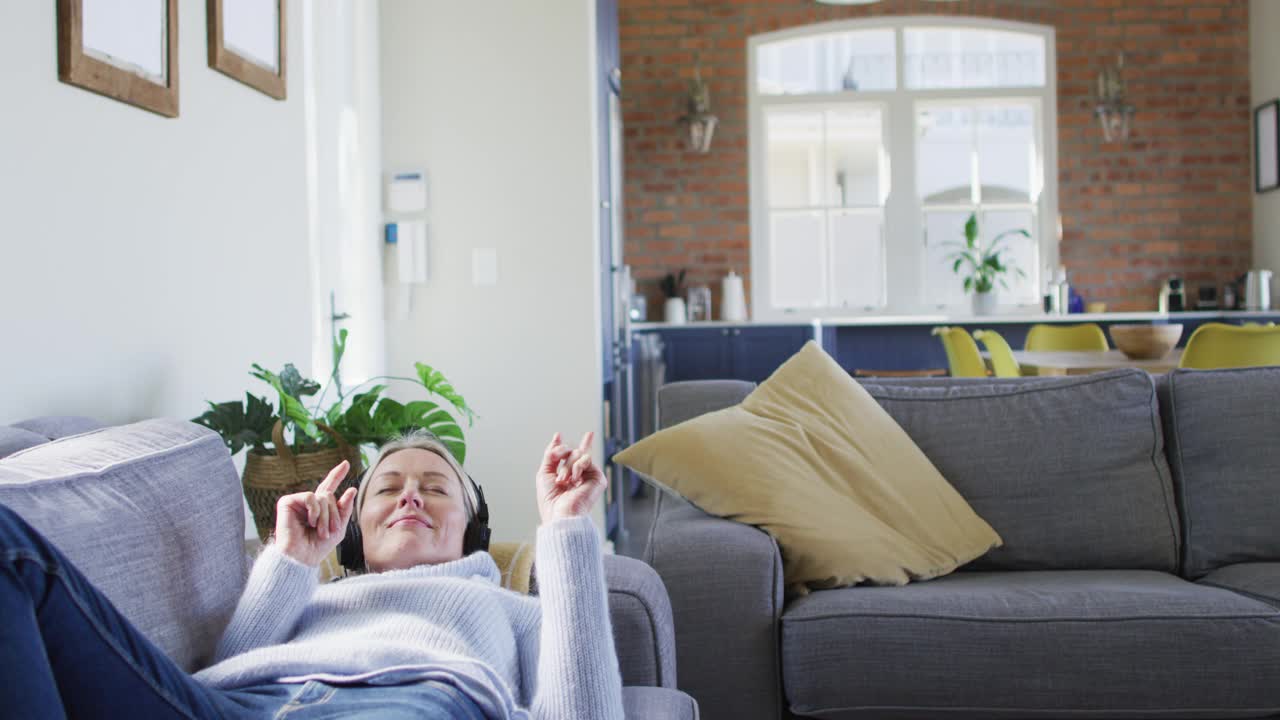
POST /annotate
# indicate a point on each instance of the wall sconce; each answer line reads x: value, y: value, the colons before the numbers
x: 1113, y: 111
x: 699, y: 123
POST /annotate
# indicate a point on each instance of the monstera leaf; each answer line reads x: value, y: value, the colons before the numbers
x: 436, y: 383
x: 241, y: 424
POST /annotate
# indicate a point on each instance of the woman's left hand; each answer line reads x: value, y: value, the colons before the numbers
x: 569, y: 482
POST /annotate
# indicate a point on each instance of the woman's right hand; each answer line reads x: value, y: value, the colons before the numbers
x: 310, y: 524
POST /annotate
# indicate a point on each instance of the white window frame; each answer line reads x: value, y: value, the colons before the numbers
x: 904, y: 237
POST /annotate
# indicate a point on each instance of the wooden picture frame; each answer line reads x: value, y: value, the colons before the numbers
x: 1266, y: 147
x: 247, y: 42
x: 132, y: 58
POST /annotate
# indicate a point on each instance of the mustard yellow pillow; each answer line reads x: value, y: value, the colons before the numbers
x: 812, y: 459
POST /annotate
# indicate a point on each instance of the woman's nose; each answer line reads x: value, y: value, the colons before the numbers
x: 410, y: 497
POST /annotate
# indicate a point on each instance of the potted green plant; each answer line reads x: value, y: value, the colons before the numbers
x: 673, y: 310
x: 982, y: 266
x: 292, y: 446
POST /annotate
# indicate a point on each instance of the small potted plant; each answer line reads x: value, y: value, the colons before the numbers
x: 982, y: 267
x: 673, y: 310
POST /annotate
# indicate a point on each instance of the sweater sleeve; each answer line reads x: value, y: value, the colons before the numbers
x: 278, y: 590
x: 577, y: 673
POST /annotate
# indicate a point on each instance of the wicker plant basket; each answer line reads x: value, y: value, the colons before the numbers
x: 267, y: 478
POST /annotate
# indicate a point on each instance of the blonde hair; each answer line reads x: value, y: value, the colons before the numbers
x: 418, y: 440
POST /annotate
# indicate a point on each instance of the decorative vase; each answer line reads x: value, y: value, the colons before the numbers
x: 984, y: 303
x: 673, y: 311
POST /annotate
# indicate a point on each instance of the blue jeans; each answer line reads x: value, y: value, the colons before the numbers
x: 65, y: 651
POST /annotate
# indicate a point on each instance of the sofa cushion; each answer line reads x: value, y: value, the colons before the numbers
x: 1114, y: 643
x: 13, y: 439
x: 1222, y: 427
x: 1260, y: 581
x: 812, y: 459
x: 1070, y: 471
x: 155, y: 505
x: 59, y: 426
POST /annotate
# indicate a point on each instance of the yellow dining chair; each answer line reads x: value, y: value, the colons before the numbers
x: 962, y: 352
x: 1218, y: 345
x: 1002, y: 360
x: 1088, y: 336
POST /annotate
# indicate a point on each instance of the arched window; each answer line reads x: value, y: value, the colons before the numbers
x: 872, y: 141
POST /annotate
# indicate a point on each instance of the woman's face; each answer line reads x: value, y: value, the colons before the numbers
x: 414, y: 512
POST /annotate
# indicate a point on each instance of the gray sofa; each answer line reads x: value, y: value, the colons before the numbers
x: 1139, y: 578
x: 152, y: 514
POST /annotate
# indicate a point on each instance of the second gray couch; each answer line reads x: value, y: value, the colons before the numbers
x: 1140, y: 574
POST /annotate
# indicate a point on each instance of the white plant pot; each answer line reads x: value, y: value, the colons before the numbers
x: 673, y: 311
x: 984, y: 303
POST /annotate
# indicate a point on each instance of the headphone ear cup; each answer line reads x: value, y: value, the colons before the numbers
x: 476, y: 537
x: 351, y: 549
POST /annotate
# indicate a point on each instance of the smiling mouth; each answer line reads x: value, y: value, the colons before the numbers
x: 411, y: 520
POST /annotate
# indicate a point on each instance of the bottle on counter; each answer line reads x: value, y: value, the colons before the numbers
x: 733, y: 301
x: 1177, y: 295
x: 1051, y: 298
x: 1064, y: 290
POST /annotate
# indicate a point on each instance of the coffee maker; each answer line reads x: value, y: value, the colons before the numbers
x: 1173, y: 296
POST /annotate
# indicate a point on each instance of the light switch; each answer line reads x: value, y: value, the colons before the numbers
x: 484, y: 266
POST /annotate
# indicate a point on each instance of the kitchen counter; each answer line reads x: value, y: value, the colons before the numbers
x: 1198, y: 316
x: 753, y: 350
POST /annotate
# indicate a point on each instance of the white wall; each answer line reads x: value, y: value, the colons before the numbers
x: 495, y: 100
x: 145, y: 262
x: 1264, y: 59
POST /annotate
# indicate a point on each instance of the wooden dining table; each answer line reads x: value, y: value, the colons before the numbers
x: 1033, y: 362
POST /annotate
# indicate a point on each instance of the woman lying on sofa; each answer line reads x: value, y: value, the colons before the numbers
x: 425, y: 631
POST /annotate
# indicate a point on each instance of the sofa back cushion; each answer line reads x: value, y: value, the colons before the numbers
x: 152, y: 514
x: 1070, y: 471
x: 1223, y: 431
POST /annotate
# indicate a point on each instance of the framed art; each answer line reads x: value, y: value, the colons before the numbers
x: 122, y: 49
x: 1266, y: 151
x: 247, y: 42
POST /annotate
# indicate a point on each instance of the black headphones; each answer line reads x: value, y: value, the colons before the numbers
x: 475, y: 539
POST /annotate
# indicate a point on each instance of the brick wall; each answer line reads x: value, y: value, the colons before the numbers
x: 1175, y: 198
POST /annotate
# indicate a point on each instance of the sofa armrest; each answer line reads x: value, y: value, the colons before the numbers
x: 641, y: 616
x: 726, y: 592
x: 647, y: 703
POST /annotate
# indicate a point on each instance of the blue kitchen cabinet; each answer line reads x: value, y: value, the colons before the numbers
x: 749, y: 353
x: 697, y: 354
x: 758, y: 351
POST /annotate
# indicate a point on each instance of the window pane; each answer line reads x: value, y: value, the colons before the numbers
x: 794, y: 140
x: 797, y: 259
x: 1006, y: 154
x: 944, y: 155
x: 854, y: 150
x: 857, y: 259
x: 942, y: 286
x: 1020, y: 252
x: 971, y: 58
x: 833, y: 62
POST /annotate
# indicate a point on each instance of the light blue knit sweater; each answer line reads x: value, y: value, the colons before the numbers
x: 550, y: 657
